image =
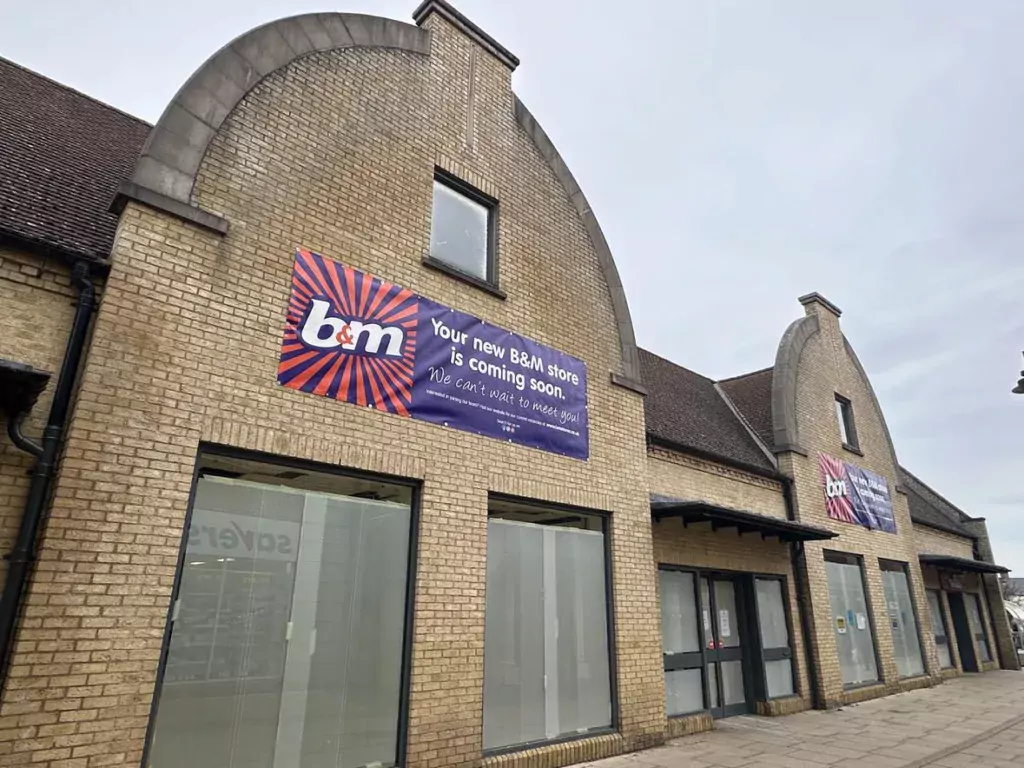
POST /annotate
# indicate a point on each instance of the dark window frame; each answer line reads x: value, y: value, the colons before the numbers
x: 851, y: 558
x: 490, y: 282
x: 216, y: 449
x: 945, y: 626
x: 776, y: 653
x: 613, y: 673
x: 888, y: 564
x: 672, y: 662
x: 846, y: 420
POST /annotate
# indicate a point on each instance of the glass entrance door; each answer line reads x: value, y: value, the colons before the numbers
x: 723, y: 631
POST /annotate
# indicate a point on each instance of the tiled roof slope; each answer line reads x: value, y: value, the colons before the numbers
x: 683, y: 408
x: 751, y: 393
x: 929, y: 508
x: 62, y: 155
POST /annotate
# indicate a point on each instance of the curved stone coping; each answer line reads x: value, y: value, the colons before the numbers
x: 630, y: 374
x: 784, y: 379
x: 878, y: 407
x: 165, y: 172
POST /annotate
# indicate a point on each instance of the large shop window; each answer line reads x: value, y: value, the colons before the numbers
x: 939, y: 628
x: 288, y: 627
x: 975, y: 618
x: 900, y: 609
x: 851, y: 619
x: 546, y: 643
x: 771, y: 617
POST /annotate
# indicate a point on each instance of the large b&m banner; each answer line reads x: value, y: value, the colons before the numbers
x: 356, y: 338
x: 856, y: 495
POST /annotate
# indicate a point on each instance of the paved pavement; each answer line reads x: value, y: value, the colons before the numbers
x: 975, y: 721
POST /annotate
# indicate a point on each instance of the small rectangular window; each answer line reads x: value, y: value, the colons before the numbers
x: 844, y: 415
x: 462, y: 229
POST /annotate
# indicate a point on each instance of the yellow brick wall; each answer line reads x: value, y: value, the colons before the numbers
x: 679, y: 476
x: 826, y: 369
x: 334, y: 153
x: 698, y: 546
x: 935, y: 542
x: 38, y: 303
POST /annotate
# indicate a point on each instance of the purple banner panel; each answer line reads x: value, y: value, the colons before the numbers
x: 356, y: 338
x: 856, y: 495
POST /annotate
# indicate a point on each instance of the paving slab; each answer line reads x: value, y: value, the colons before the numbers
x: 974, y: 720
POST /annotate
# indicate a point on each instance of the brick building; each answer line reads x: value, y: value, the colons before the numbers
x: 237, y: 541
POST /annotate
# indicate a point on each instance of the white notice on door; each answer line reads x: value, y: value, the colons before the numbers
x: 723, y: 623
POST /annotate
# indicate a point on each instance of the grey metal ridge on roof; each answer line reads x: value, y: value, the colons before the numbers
x: 467, y: 27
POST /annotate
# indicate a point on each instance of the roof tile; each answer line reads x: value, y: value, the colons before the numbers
x: 62, y: 156
x: 684, y: 408
x: 751, y: 393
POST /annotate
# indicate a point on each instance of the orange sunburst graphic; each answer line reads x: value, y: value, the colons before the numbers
x: 349, y: 336
x: 839, y: 506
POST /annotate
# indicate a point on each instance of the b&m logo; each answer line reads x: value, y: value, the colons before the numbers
x: 349, y: 336
x: 836, y: 484
x: 834, y: 488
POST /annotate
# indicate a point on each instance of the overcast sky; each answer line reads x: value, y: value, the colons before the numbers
x: 738, y: 155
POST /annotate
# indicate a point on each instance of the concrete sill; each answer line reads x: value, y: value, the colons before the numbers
x: 476, y: 282
x: 564, y: 739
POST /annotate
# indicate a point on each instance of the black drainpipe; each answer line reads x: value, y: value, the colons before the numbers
x: 22, y: 556
x: 798, y: 556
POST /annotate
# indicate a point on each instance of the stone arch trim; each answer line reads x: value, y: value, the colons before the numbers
x: 784, y: 380
x: 629, y: 377
x: 165, y: 172
x: 878, y: 408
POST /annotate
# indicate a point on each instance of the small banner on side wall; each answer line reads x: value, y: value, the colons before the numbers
x: 856, y: 495
x: 353, y: 337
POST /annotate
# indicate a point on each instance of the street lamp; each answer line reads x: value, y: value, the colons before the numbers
x: 1019, y: 389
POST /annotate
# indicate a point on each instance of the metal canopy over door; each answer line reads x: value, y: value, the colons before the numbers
x: 724, y: 626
